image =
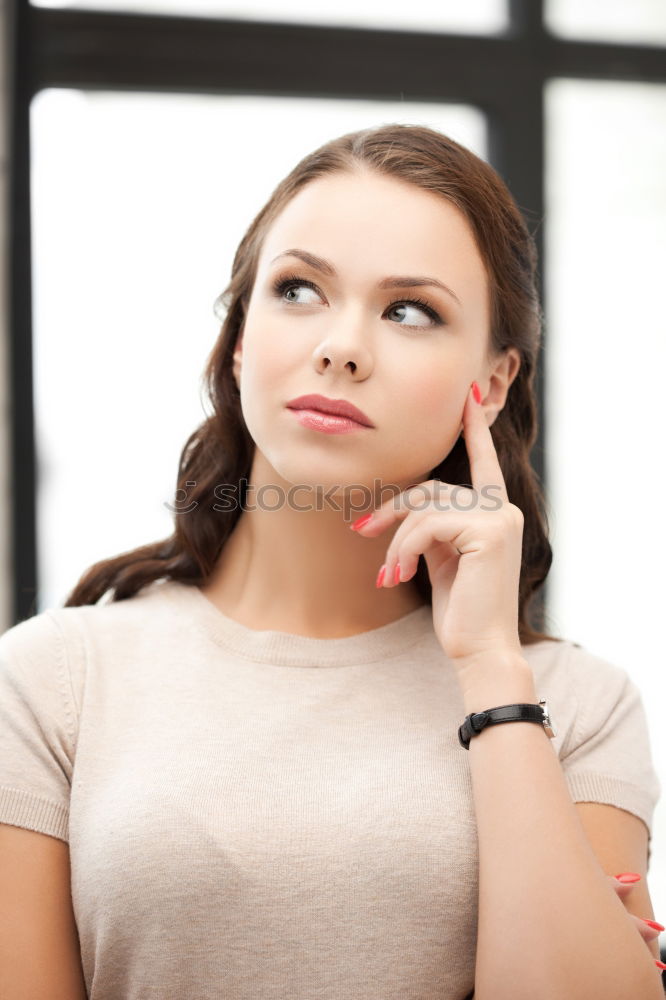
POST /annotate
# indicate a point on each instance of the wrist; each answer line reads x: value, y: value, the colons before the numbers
x: 489, y: 680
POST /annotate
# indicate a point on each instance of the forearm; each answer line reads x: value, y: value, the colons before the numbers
x: 550, y: 926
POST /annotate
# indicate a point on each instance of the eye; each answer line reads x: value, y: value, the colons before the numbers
x: 293, y: 282
x: 419, y: 305
x: 281, y: 287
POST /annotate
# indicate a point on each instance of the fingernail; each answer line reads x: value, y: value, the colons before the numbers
x: 628, y: 877
x: 380, y: 576
x: 476, y: 392
x: 360, y: 522
x: 396, y: 574
x: 660, y: 965
x: 653, y: 924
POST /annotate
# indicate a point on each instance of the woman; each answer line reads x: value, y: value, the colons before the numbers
x: 259, y: 753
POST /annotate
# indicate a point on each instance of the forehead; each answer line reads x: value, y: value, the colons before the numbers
x: 373, y: 222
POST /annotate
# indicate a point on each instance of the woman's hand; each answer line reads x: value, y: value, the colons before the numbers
x: 645, y: 928
x: 471, y: 540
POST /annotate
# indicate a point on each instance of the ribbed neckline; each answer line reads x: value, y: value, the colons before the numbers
x: 286, y: 649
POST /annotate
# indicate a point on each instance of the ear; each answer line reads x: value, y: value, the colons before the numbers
x: 502, y: 375
x: 238, y: 357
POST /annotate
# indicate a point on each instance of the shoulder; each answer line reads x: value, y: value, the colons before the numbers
x: 569, y: 668
x: 602, y: 740
x: 33, y: 648
x: 586, y: 693
x: 62, y: 640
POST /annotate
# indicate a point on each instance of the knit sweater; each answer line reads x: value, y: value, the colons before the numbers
x: 255, y: 815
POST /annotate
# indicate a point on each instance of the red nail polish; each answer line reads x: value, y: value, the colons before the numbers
x: 396, y: 574
x: 660, y: 965
x: 653, y: 924
x: 627, y: 877
x: 360, y: 522
x: 380, y: 576
x: 476, y: 392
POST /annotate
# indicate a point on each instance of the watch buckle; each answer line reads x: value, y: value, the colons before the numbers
x: 547, y: 724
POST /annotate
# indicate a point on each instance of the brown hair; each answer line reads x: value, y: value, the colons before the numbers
x: 221, y: 448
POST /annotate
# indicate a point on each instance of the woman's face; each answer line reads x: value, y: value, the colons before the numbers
x: 334, y: 330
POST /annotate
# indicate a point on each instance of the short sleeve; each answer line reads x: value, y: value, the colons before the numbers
x: 607, y: 756
x: 37, y: 727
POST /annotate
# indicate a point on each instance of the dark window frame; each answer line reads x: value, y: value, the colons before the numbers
x: 503, y: 75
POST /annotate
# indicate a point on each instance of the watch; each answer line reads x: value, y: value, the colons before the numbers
x: 477, y: 721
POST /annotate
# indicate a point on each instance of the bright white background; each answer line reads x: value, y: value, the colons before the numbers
x: 640, y: 21
x: 472, y: 17
x: 606, y: 335
x: 139, y: 202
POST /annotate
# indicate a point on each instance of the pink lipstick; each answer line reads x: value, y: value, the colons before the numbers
x: 331, y: 407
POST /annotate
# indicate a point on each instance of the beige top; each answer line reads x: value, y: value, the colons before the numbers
x: 254, y: 815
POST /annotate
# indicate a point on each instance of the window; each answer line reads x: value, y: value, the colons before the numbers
x: 139, y: 202
x: 642, y: 21
x: 475, y: 16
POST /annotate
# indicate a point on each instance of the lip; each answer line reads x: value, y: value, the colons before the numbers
x: 334, y: 407
x: 327, y: 423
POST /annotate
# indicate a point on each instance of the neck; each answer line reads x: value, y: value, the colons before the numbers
x: 304, y: 571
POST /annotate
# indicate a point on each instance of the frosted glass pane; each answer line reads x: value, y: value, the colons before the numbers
x: 472, y: 17
x: 139, y: 202
x: 606, y: 253
x: 640, y: 21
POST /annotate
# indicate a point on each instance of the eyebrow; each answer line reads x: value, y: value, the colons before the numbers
x: 394, y: 281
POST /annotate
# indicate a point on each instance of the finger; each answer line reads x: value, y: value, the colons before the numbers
x: 374, y: 522
x: 621, y: 888
x: 402, y: 559
x: 416, y: 500
x: 422, y: 511
x: 483, y: 461
x: 648, y: 929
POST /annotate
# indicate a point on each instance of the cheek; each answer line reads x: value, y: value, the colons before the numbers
x: 429, y: 417
x: 265, y: 359
x: 434, y: 397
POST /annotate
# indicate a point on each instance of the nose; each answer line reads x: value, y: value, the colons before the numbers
x: 344, y: 349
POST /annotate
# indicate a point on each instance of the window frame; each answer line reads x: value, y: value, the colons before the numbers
x: 504, y: 75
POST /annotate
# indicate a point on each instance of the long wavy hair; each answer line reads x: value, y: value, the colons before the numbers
x: 221, y: 447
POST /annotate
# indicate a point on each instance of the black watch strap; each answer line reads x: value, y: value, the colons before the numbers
x: 477, y: 721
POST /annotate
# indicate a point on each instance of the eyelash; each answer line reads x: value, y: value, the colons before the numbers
x: 281, y: 285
